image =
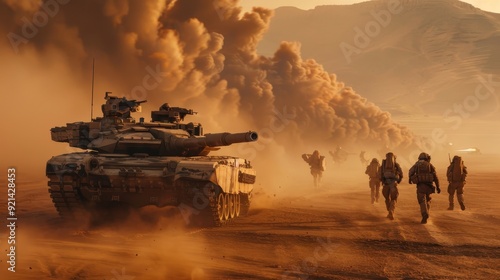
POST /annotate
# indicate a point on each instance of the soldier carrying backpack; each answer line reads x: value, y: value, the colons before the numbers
x: 456, y: 174
x: 390, y: 175
x: 423, y: 173
x: 317, y: 164
x: 373, y: 171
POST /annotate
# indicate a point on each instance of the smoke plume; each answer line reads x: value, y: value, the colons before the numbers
x: 195, y: 53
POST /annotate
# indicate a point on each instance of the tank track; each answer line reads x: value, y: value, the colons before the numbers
x: 209, y: 216
x: 215, y: 216
x: 65, y: 195
x: 212, y: 212
x: 245, y: 203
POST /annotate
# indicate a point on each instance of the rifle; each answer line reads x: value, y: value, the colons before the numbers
x: 449, y: 157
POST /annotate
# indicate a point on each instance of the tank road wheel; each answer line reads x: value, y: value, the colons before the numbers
x: 226, y: 206
x: 232, y: 205
x: 237, y: 205
x: 221, y: 206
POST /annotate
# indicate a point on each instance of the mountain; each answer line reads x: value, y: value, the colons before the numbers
x: 410, y: 57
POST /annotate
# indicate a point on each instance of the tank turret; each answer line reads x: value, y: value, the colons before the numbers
x: 118, y: 133
x: 163, y: 162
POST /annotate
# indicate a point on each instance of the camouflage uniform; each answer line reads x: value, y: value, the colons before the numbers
x: 390, y: 176
x: 423, y: 173
x: 457, y: 182
x: 315, y: 161
x: 373, y: 171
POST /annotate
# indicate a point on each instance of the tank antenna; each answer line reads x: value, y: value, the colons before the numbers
x: 92, y: 99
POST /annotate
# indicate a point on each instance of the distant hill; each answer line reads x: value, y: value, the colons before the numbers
x: 418, y: 57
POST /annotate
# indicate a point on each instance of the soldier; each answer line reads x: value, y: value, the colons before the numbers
x: 317, y: 164
x: 423, y: 173
x: 373, y: 171
x: 390, y: 175
x: 456, y: 174
x: 339, y: 155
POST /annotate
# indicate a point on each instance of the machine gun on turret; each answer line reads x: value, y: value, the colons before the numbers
x: 170, y: 114
x: 120, y: 107
x: 118, y: 133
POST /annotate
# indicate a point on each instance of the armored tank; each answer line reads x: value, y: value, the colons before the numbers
x: 164, y: 162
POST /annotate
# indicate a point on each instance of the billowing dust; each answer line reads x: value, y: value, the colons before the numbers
x: 165, y: 51
x: 204, y: 59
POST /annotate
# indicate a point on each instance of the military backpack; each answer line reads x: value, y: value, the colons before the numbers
x: 457, y: 170
x: 423, y: 172
x: 389, y: 167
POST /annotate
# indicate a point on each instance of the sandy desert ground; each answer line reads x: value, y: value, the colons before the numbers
x: 291, y: 232
x: 420, y: 65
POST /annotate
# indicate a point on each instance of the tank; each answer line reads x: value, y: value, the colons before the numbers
x: 163, y: 162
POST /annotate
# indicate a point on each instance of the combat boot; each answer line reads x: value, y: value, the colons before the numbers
x: 425, y: 216
x: 390, y: 216
x: 451, y: 207
x: 462, y: 206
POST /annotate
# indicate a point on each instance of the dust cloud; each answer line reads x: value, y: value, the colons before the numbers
x: 166, y: 51
x: 151, y: 242
x: 202, y: 58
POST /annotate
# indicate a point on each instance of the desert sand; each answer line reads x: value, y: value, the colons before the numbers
x: 429, y: 59
x: 292, y: 231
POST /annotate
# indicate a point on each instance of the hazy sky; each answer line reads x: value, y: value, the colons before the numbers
x: 487, y: 5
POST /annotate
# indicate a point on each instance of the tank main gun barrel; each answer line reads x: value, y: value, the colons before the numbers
x: 225, y: 139
x: 216, y: 140
x: 118, y: 133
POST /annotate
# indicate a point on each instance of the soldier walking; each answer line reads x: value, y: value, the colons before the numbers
x: 317, y: 164
x: 423, y: 173
x: 390, y: 175
x: 373, y: 171
x: 456, y: 174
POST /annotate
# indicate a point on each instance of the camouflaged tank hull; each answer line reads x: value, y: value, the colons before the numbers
x: 211, y: 190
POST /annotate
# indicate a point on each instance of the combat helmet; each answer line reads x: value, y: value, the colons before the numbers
x: 424, y: 156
